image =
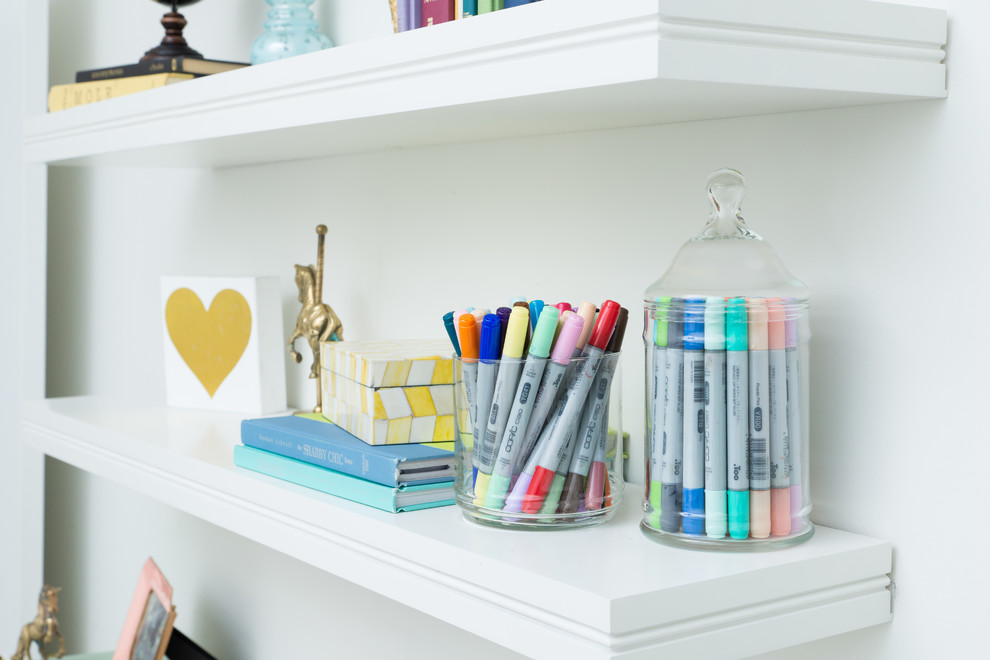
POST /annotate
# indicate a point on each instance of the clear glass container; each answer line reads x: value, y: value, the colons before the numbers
x: 726, y: 349
x: 290, y: 30
x: 532, y: 479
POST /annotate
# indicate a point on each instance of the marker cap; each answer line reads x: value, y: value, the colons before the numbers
x: 466, y: 326
x: 694, y: 511
x: 736, y: 325
x: 790, y: 328
x: 586, y: 310
x: 759, y: 339
x: 481, y: 482
x: 694, y: 324
x: 543, y: 334
x: 619, y: 332
x: 775, y: 324
x: 491, y: 328
x: 738, y: 505
x: 513, y: 503
x: 563, y: 350
x: 660, y: 321
x: 570, y: 495
x: 780, y: 511
x: 515, y: 334
x: 714, y: 323
x: 498, y: 487
x: 759, y: 514
x: 716, y: 514
x: 604, y: 325
x: 535, y: 309
x: 670, y: 507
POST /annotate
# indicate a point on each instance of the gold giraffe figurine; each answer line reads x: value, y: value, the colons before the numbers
x: 43, y: 629
x: 316, y: 321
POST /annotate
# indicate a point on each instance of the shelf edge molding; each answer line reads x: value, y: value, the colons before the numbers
x: 755, y: 603
x: 531, y: 70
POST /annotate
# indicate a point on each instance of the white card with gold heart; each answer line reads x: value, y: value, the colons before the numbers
x: 224, y: 344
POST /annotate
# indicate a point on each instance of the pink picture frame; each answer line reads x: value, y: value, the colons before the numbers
x: 150, y: 618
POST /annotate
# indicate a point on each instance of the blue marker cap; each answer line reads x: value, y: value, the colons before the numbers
x: 503, y: 316
x: 448, y: 322
x: 535, y: 309
x: 490, y: 346
x: 694, y: 511
x: 694, y: 325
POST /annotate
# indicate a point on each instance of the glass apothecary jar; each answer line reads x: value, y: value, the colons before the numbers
x: 726, y: 349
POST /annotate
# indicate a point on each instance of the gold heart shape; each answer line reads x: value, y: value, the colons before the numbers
x: 210, y: 342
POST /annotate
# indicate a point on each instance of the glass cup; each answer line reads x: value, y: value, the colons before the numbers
x: 538, y: 443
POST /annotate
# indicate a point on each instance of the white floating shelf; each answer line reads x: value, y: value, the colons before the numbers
x: 601, y: 592
x: 550, y: 67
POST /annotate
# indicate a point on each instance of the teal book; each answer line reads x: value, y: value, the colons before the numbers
x: 387, y: 498
x: 323, y: 443
x: 469, y: 8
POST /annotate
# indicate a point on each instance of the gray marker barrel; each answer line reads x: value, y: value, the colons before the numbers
x: 671, y: 442
x: 794, y: 434
x: 759, y: 418
x: 715, y: 442
x: 553, y: 377
x: 522, y: 410
x: 502, y: 394
x: 487, y: 373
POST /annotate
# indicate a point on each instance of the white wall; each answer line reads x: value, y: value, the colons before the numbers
x: 880, y: 210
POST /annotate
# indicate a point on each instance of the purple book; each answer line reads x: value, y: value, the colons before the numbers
x: 437, y: 11
x: 409, y: 14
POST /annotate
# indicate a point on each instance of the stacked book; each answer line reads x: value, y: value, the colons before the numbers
x: 412, y: 14
x: 94, y: 85
x: 311, y: 451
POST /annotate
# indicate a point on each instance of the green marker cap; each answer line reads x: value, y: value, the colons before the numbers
x: 660, y: 324
x: 736, y: 327
x: 546, y: 326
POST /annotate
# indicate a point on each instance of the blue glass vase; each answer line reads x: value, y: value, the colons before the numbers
x: 290, y: 30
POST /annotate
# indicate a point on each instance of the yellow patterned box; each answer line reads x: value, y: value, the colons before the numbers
x: 389, y: 392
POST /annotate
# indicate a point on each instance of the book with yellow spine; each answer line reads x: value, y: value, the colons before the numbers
x: 71, y: 95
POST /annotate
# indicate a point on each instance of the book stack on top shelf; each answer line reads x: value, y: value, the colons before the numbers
x: 414, y: 14
x: 94, y: 85
x: 311, y: 451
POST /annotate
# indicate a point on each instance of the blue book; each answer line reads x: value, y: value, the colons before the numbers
x: 394, y: 499
x: 469, y: 8
x: 325, y: 444
x: 515, y: 3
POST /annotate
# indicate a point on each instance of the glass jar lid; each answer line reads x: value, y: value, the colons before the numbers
x: 727, y: 258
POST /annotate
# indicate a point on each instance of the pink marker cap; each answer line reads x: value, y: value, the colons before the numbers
x: 586, y: 310
x: 563, y: 349
x: 790, y: 330
x: 759, y: 514
x: 775, y: 323
x: 758, y: 317
x: 780, y: 511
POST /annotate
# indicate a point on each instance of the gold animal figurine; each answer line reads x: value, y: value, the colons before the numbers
x: 316, y: 321
x: 43, y: 629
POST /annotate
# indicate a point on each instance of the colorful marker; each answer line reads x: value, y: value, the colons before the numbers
x: 503, y: 317
x: 716, y: 513
x: 693, y: 429
x: 570, y: 408
x: 780, y: 460
x: 673, y: 394
x: 535, y: 310
x: 759, y: 406
x: 448, y: 323
x: 656, y: 439
x: 737, y: 410
x: 593, y: 430
x: 505, y: 388
x: 469, y: 362
x: 487, y: 372
x: 522, y: 409
x: 794, y: 434
x: 553, y: 378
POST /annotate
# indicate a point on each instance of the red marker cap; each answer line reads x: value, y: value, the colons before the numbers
x: 604, y: 324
